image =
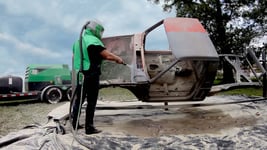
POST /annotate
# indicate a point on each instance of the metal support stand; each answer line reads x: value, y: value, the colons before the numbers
x: 166, y: 106
x: 264, y: 92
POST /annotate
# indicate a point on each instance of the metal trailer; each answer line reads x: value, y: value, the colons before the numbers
x: 51, y: 83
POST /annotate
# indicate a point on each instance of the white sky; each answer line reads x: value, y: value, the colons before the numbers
x: 42, y: 32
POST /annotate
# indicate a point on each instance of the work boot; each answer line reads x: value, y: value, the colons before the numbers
x: 92, y: 130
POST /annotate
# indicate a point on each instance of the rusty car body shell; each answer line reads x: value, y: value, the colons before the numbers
x: 184, y: 72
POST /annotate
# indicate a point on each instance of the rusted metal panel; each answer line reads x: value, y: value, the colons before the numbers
x: 183, y: 25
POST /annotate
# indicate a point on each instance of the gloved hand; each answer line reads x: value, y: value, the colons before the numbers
x: 119, y: 61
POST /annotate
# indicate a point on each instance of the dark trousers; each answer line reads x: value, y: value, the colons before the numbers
x: 90, y: 92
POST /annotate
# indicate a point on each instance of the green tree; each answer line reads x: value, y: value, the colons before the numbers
x: 232, y: 24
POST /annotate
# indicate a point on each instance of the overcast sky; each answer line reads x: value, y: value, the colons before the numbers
x: 43, y: 31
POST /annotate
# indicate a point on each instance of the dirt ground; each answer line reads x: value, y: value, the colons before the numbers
x: 188, y: 121
x: 16, y: 116
x: 178, y: 121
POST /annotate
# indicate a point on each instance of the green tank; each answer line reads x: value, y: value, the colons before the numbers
x: 53, y: 81
x: 37, y: 77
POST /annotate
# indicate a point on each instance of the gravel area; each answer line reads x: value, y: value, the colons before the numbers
x: 15, y: 117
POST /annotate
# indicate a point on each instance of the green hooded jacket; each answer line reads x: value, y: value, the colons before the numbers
x: 88, y: 39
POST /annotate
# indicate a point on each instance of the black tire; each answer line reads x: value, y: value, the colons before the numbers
x: 69, y: 93
x: 53, y: 95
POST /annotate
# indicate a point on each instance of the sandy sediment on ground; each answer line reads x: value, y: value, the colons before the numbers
x: 147, y: 126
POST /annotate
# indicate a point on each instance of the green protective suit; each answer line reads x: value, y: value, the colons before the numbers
x: 88, y: 39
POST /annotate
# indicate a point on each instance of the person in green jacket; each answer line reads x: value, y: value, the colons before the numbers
x: 94, y: 52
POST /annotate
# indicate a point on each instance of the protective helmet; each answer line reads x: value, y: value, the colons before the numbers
x: 96, y: 28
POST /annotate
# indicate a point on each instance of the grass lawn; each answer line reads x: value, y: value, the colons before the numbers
x: 243, y: 91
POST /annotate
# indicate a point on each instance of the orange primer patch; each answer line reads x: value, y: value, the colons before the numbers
x: 183, y: 25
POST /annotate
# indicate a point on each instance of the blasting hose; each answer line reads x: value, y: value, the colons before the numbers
x: 74, y: 130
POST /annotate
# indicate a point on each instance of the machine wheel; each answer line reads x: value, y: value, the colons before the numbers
x: 53, y: 95
x: 69, y: 93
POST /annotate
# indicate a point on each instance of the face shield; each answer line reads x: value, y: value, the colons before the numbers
x: 96, y: 28
x: 99, y: 30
